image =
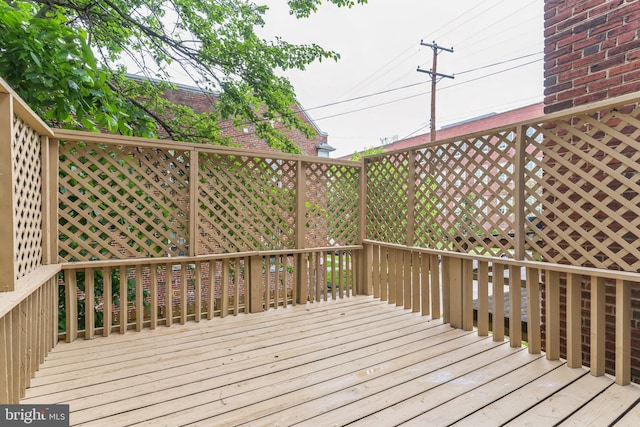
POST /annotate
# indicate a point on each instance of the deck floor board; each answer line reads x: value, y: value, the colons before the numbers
x: 355, y: 361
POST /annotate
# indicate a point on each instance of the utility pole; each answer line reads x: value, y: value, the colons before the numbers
x: 434, y: 75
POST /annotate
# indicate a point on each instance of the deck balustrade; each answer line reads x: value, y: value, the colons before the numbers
x: 112, y: 234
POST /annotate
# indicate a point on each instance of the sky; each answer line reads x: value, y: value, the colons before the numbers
x: 379, y: 44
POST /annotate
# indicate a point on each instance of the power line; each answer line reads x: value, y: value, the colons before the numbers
x: 427, y: 92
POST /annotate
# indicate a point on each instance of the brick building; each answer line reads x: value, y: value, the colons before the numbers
x: 245, y: 136
x: 592, y: 52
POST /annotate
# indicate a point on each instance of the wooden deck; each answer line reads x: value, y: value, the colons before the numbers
x: 356, y: 360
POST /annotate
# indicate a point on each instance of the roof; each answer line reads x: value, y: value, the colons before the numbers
x: 484, y: 122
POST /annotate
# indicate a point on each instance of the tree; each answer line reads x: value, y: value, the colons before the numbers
x: 64, y: 58
x: 368, y: 151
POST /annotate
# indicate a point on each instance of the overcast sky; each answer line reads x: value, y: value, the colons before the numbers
x: 380, y: 48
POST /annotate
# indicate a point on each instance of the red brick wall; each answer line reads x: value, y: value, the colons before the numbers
x: 592, y: 51
x: 245, y: 136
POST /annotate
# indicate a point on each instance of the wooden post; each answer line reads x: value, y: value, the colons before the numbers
x: 7, y: 209
x: 301, y: 259
x: 255, y: 285
x: 623, y: 332
x: 411, y: 199
x: 365, y: 284
x: 193, y: 203
x: 49, y: 161
x: 518, y: 193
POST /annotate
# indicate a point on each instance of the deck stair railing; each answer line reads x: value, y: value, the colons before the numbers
x: 112, y: 234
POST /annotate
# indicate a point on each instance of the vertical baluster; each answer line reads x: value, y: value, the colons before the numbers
x: 483, y: 298
x: 574, y: 320
x: 153, y: 289
x: 406, y: 271
x: 497, y: 279
x: 211, y: 289
x: 236, y: 287
x: 467, y: 294
x: 515, y: 306
x: 384, y: 274
x: 89, y: 303
x: 71, y: 297
x: 124, y: 303
x: 533, y: 310
x: 434, y: 268
x: 183, y: 293
x: 107, y: 301
x: 224, y: 306
x: 623, y: 332
x: 276, y: 281
x: 197, y: 287
x: 168, y: 294
x: 139, y: 299
x: 376, y: 270
x: 552, y: 304
x: 597, y: 326
x: 415, y: 281
x: 425, y: 284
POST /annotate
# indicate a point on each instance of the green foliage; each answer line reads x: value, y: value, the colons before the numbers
x: 366, y: 152
x: 62, y: 57
x: 99, y: 292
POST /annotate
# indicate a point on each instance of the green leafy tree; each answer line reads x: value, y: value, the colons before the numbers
x: 366, y: 152
x: 61, y: 56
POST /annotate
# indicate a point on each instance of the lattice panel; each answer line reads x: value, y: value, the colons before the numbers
x: 122, y: 202
x: 27, y: 197
x: 387, y: 198
x: 464, y: 195
x: 585, y: 175
x: 246, y: 203
x: 331, y: 205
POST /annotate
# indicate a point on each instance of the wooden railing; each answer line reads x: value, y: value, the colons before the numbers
x: 97, y: 301
x: 28, y: 330
x: 556, y: 197
x: 149, y: 233
x: 413, y: 278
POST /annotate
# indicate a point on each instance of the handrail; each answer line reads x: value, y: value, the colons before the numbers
x: 28, y: 329
x: 25, y: 112
x: 133, y: 141
x: 130, y: 262
x: 560, y: 268
x: 610, y: 103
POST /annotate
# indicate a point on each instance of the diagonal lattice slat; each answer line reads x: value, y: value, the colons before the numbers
x: 332, y: 205
x: 122, y: 202
x: 387, y: 198
x: 27, y: 197
x: 246, y: 203
x: 464, y: 195
x: 586, y: 180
